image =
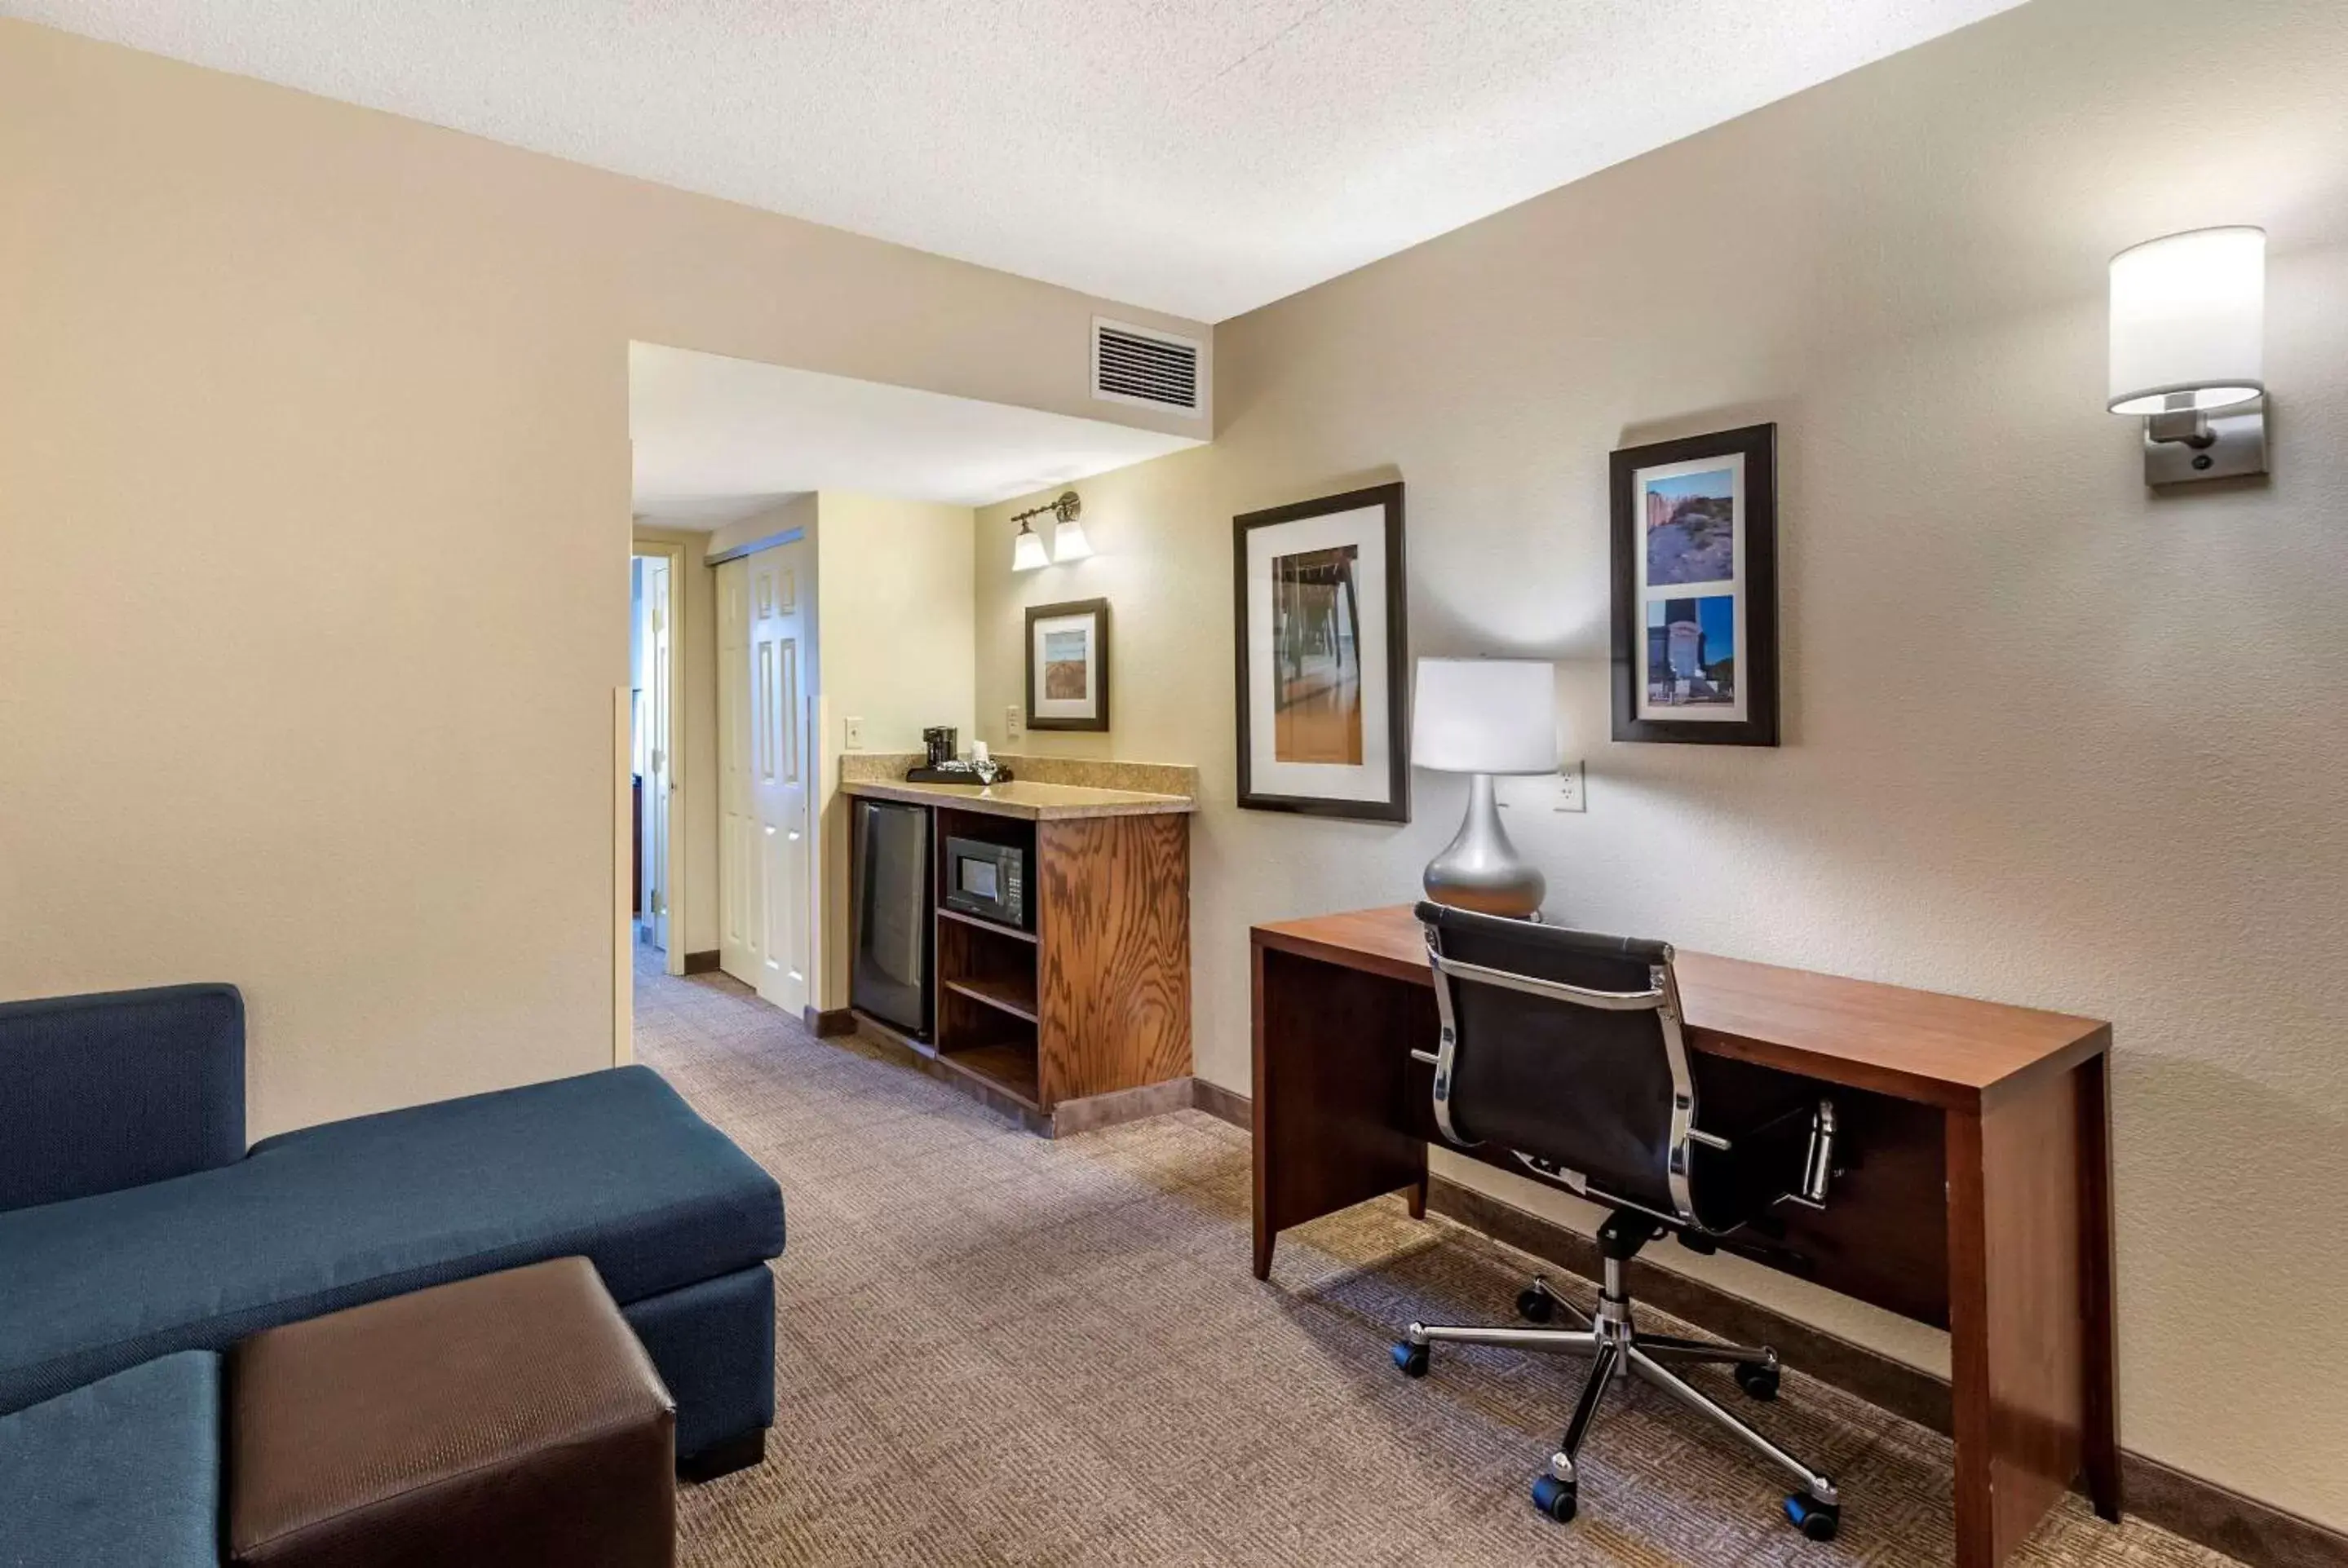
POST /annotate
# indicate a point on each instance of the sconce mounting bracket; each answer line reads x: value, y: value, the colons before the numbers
x: 2185, y: 449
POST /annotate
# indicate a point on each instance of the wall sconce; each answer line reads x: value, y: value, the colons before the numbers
x: 1028, y: 550
x: 2189, y: 330
x: 1068, y: 541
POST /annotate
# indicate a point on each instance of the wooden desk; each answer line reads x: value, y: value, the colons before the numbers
x: 1976, y: 1197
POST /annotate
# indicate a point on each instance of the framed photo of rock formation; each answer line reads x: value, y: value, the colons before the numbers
x: 1695, y: 589
x: 1067, y: 665
x: 1324, y: 688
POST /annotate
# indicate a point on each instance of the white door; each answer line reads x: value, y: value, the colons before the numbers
x: 660, y: 782
x: 764, y: 737
x: 781, y: 762
x: 742, y: 923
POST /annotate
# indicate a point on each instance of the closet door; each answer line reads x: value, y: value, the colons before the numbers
x: 780, y: 758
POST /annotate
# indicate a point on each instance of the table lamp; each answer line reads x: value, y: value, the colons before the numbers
x: 1482, y: 717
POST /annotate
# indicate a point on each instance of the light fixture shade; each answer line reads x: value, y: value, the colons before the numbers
x: 1068, y: 542
x: 1027, y: 551
x: 1485, y: 716
x: 2189, y: 321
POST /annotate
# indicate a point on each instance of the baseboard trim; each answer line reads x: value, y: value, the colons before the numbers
x: 701, y: 963
x: 2202, y: 1511
x: 1222, y: 1103
x: 1118, y: 1106
x: 826, y: 1023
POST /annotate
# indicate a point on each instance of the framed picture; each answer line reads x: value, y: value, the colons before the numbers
x: 1067, y: 665
x: 1323, y: 687
x: 1695, y: 589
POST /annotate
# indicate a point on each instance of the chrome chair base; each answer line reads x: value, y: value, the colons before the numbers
x: 1616, y: 1349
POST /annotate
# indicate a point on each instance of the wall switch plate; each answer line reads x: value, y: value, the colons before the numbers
x: 1011, y: 721
x: 855, y: 739
x: 1570, y: 794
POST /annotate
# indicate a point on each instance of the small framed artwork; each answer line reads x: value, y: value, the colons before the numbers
x: 1067, y: 665
x: 1695, y: 589
x: 1323, y: 687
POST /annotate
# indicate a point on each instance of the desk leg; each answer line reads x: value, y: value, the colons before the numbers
x: 1332, y: 1092
x: 2030, y: 1308
x: 2099, y: 1299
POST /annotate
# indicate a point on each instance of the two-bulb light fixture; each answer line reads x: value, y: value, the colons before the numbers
x: 2187, y: 352
x: 1068, y: 541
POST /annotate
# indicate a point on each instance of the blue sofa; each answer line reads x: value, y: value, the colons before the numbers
x: 135, y: 1224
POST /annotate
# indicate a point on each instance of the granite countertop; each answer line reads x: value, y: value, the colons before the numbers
x: 1022, y: 798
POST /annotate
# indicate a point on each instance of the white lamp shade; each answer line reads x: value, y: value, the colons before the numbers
x: 2189, y: 321
x: 1485, y: 716
x: 1027, y: 551
x: 1068, y: 542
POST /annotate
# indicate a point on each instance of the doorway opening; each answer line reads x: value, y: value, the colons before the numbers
x: 655, y: 750
x: 828, y: 531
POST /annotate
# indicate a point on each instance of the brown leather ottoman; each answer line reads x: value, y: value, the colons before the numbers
x: 511, y: 1419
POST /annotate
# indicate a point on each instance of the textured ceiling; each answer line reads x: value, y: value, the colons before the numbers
x: 1199, y: 156
x: 720, y: 438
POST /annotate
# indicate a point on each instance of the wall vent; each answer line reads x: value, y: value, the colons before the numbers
x: 1136, y: 365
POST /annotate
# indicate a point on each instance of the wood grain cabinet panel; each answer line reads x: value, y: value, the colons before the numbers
x: 1113, y: 967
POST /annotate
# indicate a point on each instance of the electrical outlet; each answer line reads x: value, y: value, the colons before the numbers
x: 855, y: 739
x: 1570, y: 794
x: 1011, y: 721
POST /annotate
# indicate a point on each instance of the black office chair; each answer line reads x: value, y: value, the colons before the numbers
x: 1564, y: 1048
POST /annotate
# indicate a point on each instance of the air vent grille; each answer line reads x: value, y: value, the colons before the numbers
x: 1135, y: 364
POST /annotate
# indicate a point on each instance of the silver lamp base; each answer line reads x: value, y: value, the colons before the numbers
x: 1479, y: 869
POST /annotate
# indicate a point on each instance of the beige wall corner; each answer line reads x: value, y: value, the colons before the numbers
x: 623, y: 934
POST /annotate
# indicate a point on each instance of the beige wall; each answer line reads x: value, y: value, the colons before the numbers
x: 314, y: 431
x: 2049, y: 738
x: 895, y: 595
x: 694, y: 655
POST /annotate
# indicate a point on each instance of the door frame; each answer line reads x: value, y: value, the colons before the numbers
x: 679, y: 783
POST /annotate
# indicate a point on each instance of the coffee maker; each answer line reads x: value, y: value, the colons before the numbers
x: 942, y: 766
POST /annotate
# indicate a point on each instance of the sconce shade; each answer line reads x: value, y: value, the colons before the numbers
x: 1485, y: 716
x: 1068, y: 542
x: 2189, y: 321
x: 1027, y: 551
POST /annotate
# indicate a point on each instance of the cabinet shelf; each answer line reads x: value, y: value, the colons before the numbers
x: 1007, y: 1066
x: 995, y: 994
x: 975, y: 923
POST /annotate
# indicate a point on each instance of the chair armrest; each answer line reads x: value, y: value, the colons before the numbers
x: 116, y: 1090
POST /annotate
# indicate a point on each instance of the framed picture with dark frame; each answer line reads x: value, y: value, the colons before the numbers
x: 1695, y: 589
x: 1067, y: 665
x: 1323, y: 657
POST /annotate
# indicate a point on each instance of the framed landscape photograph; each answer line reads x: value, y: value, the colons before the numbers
x: 1695, y: 589
x: 1067, y: 665
x: 1322, y: 686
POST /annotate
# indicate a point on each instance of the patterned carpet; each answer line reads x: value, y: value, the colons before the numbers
x: 999, y: 1349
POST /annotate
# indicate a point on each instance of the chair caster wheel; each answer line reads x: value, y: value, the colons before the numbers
x: 1759, y: 1380
x: 1411, y: 1359
x: 1535, y: 1304
x: 1555, y: 1498
x: 1816, y: 1520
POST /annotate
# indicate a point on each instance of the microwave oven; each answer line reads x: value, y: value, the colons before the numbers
x: 988, y: 880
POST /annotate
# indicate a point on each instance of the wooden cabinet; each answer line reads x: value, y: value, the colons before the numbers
x: 1094, y: 1000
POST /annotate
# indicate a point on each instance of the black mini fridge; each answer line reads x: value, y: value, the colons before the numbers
x: 890, y: 976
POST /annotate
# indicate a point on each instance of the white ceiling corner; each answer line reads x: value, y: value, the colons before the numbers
x: 1200, y: 158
